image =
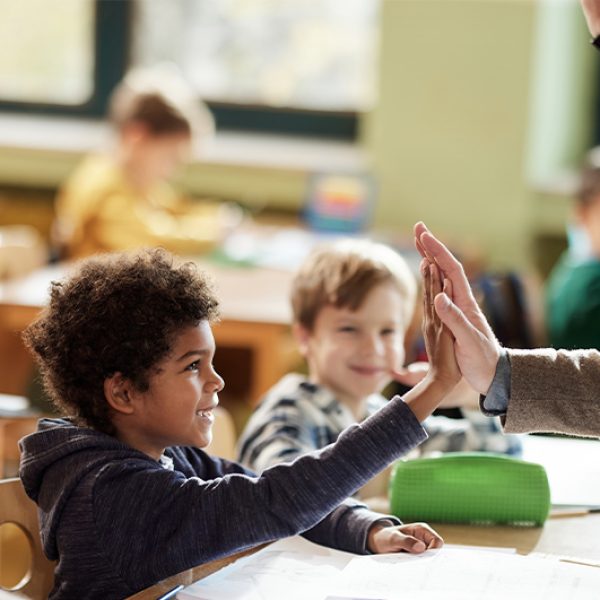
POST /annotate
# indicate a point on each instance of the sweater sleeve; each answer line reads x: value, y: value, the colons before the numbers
x: 347, y: 527
x: 495, y: 401
x: 554, y: 391
x: 178, y: 522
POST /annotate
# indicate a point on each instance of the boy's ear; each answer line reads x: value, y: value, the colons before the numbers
x: 117, y: 391
x: 302, y: 336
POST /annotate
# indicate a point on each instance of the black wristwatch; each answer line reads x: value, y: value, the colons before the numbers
x: 596, y: 42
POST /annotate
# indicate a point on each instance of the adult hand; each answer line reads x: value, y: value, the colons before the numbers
x: 413, y: 537
x: 476, y: 348
x: 591, y: 11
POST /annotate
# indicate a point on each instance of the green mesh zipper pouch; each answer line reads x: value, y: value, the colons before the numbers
x: 470, y: 487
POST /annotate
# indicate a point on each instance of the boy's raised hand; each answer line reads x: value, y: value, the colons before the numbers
x: 413, y: 537
x: 476, y: 347
x: 462, y: 396
x: 443, y: 374
x: 439, y: 341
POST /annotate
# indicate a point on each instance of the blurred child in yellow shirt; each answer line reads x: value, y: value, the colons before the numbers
x: 122, y: 200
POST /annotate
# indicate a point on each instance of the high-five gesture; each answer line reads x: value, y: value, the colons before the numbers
x: 477, y: 350
x: 444, y: 372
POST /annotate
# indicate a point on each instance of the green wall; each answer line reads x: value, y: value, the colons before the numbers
x: 451, y: 139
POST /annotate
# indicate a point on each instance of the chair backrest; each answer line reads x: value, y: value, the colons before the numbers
x: 502, y: 297
x: 16, y: 507
x: 12, y: 429
x: 224, y: 435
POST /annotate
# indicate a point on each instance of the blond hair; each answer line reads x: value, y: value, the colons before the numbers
x: 342, y: 273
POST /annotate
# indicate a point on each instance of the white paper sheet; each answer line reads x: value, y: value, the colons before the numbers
x: 455, y: 574
x: 293, y: 569
x: 298, y: 570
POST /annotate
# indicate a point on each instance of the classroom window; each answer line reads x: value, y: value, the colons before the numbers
x: 47, y: 55
x: 286, y: 66
x: 294, y: 53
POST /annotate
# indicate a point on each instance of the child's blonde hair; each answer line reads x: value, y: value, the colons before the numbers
x: 342, y: 273
x: 161, y: 100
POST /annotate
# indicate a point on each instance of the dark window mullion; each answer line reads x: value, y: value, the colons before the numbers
x: 272, y: 120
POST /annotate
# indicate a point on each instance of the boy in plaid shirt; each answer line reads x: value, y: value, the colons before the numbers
x: 352, y: 304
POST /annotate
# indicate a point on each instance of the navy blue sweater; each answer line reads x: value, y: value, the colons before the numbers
x: 118, y: 521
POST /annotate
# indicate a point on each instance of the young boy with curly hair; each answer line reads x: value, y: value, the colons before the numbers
x: 352, y: 303
x: 126, y: 495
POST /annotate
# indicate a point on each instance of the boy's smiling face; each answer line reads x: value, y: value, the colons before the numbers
x: 352, y: 352
x: 177, y: 407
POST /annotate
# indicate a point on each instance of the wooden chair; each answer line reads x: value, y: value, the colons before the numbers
x: 16, y: 507
x: 11, y: 431
x: 17, y: 420
x: 224, y: 435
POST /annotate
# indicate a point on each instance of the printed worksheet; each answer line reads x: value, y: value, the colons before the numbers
x: 296, y: 569
x: 466, y: 574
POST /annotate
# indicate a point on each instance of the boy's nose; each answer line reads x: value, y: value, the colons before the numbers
x: 218, y: 381
x: 374, y: 345
x: 214, y: 383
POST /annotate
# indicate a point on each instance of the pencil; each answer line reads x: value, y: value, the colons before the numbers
x: 572, y: 512
x: 580, y: 561
x: 171, y: 593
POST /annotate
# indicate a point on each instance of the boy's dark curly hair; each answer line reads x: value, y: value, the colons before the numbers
x: 118, y: 313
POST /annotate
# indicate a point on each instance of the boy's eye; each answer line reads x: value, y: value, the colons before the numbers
x: 347, y: 328
x: 388, y: 331
x: 195, y: 366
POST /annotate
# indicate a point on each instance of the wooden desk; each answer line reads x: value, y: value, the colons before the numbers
x: 188, y: 577
x: 574, y: 537
x: 255, y: 314
x: 568, y: 536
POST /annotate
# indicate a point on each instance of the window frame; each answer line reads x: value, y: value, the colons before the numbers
x: 111, y: 56
x: 112, y: 34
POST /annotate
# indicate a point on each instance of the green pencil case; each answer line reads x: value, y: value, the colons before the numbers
x: 470, y: 487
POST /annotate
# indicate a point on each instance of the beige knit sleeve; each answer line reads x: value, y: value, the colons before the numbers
x: 554, y: 391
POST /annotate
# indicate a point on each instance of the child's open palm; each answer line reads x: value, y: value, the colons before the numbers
x: 439, y: 341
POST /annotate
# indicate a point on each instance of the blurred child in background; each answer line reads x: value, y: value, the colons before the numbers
x: 122, y: 199
x: 573, y: 289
